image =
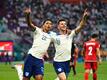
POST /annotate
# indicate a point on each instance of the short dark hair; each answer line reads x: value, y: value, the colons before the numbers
x: 94, y: 35
x: 46, y: 20
x: 62, y: 20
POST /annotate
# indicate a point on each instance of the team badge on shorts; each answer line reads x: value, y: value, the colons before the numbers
x: 59, y: 69
x: 26, y: 73
x: 42, y: 69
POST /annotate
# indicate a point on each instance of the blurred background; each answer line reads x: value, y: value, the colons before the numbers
x: 16, y: 37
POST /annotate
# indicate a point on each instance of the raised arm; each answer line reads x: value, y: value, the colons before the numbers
x: 83, y: 21
x: 28, y: 19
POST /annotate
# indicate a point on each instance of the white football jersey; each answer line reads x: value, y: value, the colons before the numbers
x: 63, y: 46
x: 41, y: 41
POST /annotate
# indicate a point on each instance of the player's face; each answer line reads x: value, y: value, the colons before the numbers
x: 48, y: 25
x: 62, y: 25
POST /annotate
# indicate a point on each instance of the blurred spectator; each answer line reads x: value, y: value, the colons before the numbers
x: 12, y: 16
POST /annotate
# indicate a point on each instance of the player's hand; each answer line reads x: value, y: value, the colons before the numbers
x: 71, y: 63
x: 86, y: 14
x: 27, y: 11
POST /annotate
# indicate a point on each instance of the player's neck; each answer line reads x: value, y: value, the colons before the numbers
x: 62, y: 32
x: 44, y: 30
x: 93, y: 39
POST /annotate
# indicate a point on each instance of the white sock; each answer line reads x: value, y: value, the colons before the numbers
x: 57, y: 78
x: 91, y: 71
x: 18, y: 67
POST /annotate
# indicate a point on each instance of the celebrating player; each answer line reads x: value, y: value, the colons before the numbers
x: 91, y: 50
x: 33, y: 65
x: 63, y: 46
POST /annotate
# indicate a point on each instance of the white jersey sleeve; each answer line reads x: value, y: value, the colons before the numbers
x: 72, y: 34
x: 37, y: 30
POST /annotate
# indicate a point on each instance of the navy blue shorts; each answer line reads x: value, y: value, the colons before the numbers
x: 62, y: 67
x: 33, y: 66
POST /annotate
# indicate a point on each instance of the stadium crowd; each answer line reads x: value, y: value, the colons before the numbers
x: 14, y: 27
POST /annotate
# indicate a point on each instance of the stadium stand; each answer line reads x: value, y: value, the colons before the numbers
x: 13, y: 25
